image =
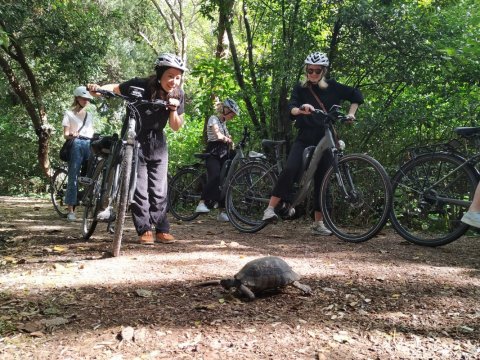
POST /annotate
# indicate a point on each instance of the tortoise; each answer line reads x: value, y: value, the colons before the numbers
x: 266, y: 273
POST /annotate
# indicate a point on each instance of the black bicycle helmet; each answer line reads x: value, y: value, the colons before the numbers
x: 170, y: 60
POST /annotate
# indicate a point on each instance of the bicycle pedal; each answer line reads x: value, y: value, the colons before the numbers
x: 85, y: 180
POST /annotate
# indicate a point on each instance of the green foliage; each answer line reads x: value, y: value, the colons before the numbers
x: 416, y: 62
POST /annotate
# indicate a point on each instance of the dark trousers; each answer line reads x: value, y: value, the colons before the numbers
x: 149, y: 207
x: 292, y: 172
x: 211, y: 190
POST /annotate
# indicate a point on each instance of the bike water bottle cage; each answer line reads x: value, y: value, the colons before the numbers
x: 225, y: 167
x: 307, y: 157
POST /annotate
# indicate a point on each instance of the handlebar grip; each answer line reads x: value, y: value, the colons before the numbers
x: 105, y: 92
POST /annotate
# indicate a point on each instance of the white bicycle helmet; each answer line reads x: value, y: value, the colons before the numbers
x: 317, y: 58
x: 170, y: 60
x: 232, y: 105
x: 82, y: 92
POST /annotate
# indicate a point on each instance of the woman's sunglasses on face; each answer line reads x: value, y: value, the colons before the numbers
x: 316, y: 71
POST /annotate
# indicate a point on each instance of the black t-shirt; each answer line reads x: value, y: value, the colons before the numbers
x: 151, y: 117
x: 311, y: 126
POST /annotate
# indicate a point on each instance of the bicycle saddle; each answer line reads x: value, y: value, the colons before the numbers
x: 272, y: 143
x: 202, y: 156
x: 467, y: 131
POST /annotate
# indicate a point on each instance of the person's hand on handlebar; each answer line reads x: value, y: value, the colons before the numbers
x: 305, y: 109
x: 349, y: 119
x: 173, y: 104
x: 93, y: 88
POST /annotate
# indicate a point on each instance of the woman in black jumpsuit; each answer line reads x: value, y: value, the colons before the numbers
x: 316, y: 93
x: 149, y: 206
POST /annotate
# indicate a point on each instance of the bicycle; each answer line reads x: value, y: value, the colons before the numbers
x: 434, y: 189
x: 58, y: 189
x: 94, y: 183
x: 120, y: 177
x: 186, y: 186
x: 355, y: 195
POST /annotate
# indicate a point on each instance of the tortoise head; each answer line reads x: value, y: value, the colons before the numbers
x: 228, y: 283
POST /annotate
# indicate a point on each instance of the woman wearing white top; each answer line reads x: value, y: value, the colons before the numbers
x: 78, y: 125
x: 218, y: 144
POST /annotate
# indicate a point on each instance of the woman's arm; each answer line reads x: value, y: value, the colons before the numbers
x: 175, y: 121
x: 109, y: 87
x: 219, y: 135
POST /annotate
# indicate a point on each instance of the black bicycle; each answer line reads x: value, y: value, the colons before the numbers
x: 58, y: 189
x: 186, y: 186
x: 433, y: 190
x: 355, y: 195
x: 94, y: 184
x: 119, y: 179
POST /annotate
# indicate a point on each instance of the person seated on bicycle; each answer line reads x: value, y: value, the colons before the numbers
x: 149, y: 206
x: 219, y: 143
x: 77, y: 124
x: 472, y: 216
x: 315, y: 92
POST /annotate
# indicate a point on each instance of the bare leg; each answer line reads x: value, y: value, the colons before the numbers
x: 475, y: 206
x: 274, y: 200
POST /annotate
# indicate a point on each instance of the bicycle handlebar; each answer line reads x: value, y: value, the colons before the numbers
x: 131, y: 99
x: 334, y: 114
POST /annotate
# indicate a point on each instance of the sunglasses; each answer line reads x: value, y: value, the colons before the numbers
x: 316, y: 71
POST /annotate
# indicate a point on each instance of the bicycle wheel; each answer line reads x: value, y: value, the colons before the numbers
x: 248, y: 194
x: 58, y: 189
x: 122, y: 201
x: 92, y: 203
x: 184, y: 193
x: 421, y: 212
x: 356, y: 201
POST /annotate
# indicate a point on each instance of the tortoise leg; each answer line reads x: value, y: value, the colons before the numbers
x: 246, y: 291
x: 305, y: 288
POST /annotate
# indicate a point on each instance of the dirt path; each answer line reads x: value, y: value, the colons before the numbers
x: 60, y: 298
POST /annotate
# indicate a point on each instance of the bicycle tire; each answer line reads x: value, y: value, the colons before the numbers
x: 361, y: 214
x: 91, y: 205
x: 184, y: 193
x: 248, y: 194
x: 122, y: 204
x: 58, y: 189
x: 418, y: 214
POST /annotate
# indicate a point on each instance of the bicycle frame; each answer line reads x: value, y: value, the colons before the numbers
x: 466, y: 163
x: 325, y: 144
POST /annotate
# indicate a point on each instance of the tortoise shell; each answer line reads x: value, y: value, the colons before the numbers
x: 266, y: 273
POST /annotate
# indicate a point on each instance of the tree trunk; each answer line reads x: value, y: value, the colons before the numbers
x: 32, y: 103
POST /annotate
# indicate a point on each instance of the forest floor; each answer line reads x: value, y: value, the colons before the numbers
x: 62, y: 297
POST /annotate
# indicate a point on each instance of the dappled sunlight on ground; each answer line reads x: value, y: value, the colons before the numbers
x: 64, y: 297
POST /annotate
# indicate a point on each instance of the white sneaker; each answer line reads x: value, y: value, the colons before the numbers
x: 269, y: 214
x: 202, y: 208
x: 223, y: 217
x: 71, y: 216
x: 471, y: 218
x: 319, y: 228
x: 106, y: 215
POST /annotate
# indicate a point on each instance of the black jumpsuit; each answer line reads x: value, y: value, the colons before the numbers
x: 149, y: 207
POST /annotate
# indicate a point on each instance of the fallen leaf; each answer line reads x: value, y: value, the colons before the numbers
x: 143, y: 293
x: 58, y: 248
x: 127, y: 333
x: 56, y: 321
